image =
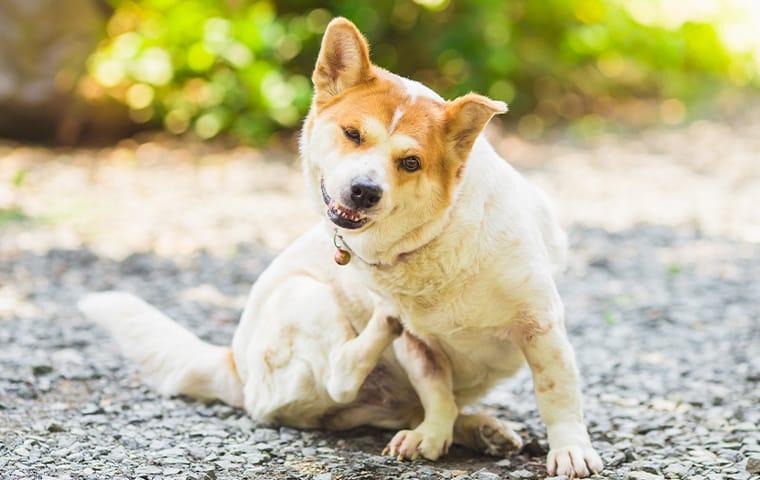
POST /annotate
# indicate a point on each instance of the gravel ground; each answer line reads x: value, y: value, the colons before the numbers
x: 664, y: 317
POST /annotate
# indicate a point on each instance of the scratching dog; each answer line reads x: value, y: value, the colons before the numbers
x: 429, y: 279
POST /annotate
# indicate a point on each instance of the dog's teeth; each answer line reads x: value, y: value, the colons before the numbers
x: 345, y: 212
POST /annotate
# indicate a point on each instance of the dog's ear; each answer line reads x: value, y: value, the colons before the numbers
x: 466, y: 117
x: 343, y: 60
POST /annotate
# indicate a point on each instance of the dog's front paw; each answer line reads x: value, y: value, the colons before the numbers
x: 573, y: 461
x: 412, y: 444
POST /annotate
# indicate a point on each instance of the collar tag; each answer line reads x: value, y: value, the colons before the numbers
x: 342, y: 255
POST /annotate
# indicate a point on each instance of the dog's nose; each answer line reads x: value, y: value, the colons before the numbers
x: 365, y: 193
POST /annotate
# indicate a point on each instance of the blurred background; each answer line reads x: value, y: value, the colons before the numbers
x: 90, y: 70
x: 625, y: 110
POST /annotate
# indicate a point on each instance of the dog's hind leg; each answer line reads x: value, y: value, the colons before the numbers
x: 351, y: 362
x: 486, y: 434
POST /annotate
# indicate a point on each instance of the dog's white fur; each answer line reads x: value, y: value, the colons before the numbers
x: 472, y: 287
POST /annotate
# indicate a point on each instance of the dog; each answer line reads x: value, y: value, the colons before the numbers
x: 449, y: 286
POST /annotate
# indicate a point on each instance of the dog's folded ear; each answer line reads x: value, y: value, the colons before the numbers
x: 466, y: 117
x: 343, y: 60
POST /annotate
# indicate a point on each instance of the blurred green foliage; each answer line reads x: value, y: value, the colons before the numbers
x: 210, y: 66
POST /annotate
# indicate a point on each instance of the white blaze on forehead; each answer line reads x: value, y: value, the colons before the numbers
x: 394, y: 121
x: 416, y: 89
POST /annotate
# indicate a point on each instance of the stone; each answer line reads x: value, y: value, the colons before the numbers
x: 676, y: 470
x: 615, y: 459
x: 485, y: 475
x: 198, y: 453
x: 54, y: 427
x: 38, y: 370
x: 647, y: 466
x: 640, y: 475
x: 170, y: 452
x: 753, y: 464
x: 289, y: 434
x: 522, y: 475
x: 265, y: 435
x: 148, y: 470
x: 226, y: 464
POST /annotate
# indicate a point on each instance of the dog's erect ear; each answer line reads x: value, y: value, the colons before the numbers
x: 466, y: 117
x: 343, y: 60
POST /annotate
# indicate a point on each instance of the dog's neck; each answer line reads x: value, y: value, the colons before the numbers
x: 385, y: 253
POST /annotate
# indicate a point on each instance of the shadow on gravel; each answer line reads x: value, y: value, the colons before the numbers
x: 665, y: 325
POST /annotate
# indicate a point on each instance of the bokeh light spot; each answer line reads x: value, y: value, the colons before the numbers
x: 109, y: 72
x: 208, y: 125
x: 154, y: 66
x: 177, y: 121
x: 502, y: 90
x: 139, y: 96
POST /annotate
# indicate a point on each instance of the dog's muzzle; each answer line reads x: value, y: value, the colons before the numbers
x: 340, y: 215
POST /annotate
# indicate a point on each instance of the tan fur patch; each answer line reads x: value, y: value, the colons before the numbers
x: 528, y: 326
x: 547, y: 386
x: 422, y: 355
x: 276, y: 358
x: 395, y: 325
x: 231, y: 361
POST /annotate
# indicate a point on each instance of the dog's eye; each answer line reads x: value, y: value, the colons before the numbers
x: 410, y: 163
x: 353, y: 135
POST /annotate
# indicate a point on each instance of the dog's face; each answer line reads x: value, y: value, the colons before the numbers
x: 381, y: 151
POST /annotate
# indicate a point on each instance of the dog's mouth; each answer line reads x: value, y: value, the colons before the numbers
x: 341, y: 216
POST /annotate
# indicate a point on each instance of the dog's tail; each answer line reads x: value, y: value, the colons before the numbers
x: 173, y: 360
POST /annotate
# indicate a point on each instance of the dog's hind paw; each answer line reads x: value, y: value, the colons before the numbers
x: 496, y: 438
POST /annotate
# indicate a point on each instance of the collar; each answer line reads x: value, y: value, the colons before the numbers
x: 340, y: 243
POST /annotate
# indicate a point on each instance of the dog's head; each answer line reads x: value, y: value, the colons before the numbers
x: 382, y: 152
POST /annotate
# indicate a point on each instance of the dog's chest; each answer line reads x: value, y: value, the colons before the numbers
x: 432, y: 276
x: 421, y: 286
x: 458, y: 301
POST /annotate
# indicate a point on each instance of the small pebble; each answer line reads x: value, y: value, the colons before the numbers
x: 640, y: 475
x: 753, y: 464
x: 522, y: 475
x: 485, y: 475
